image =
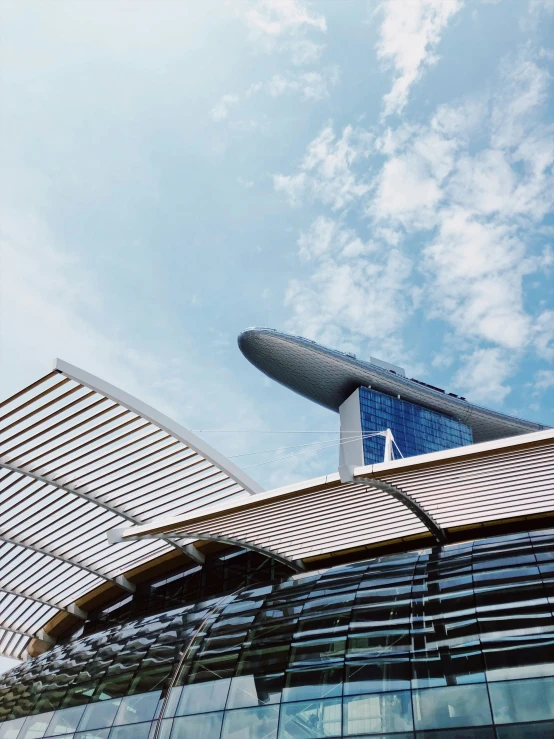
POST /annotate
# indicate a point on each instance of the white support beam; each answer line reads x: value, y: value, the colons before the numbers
x: 71, y: 609
x: 424, y: 516
x: 119, y: 580
x: 40, y: 634
x: 351, y: 451
x: 135, y: 405
x: 97, y: 501
x: 143, y: 532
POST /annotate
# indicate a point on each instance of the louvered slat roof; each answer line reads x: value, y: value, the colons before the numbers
x: 79, y: 457
x: 457, y: 490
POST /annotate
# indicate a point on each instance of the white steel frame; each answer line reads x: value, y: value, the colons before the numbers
x: 79, y: 457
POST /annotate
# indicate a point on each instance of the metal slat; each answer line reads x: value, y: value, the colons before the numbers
x: 27, y: 389
x: 33, y: 399
x: 55, y: 414
x: 86, y: 457
x: 28, y: 596
x: 97, y: 572
x: 322, y: 520
x: 46, y: 432
x: 76, y: 437
x: 90, y: 455
x: 104, y: 459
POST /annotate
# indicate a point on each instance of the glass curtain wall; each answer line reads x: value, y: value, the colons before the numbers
x: 452, y: 643
x: 416, y: 430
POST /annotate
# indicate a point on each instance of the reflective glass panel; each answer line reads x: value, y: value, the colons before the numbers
x: 99, y: 715
x: 543, y: 730
x: 448, y: 665
x: 254, y: 690
x: 173, y: 701
x: 35, y: 726
x: 313, y: 683
x: 310, y: 720
x: 136, y: 731
x: 522, y: 700
x: 462, y: 705
x: 164, y: 731
x: 519, y: 655
x: 65, y: 721
x: 203, y: 697
x: 377, y: 676
x: 96, y: 734
x: 137, y: 708
x: 200, y: 726
x: 251, y: 723
x: 10, y: 729
x: 374, y: 714
x: 414, y: 624
x: 475, y: 732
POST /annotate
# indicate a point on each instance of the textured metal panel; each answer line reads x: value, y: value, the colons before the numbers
x: 509, y: 483
x: 329, y: 377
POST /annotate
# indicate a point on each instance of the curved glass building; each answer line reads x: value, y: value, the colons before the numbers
x: 153, y: 590
x: 451, y: 642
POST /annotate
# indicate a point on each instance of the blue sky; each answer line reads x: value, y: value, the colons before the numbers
x: 374, y: 176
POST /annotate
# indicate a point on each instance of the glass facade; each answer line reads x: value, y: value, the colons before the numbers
x: 220, y: 574
x: 454, y: 642
x: 416, y: 430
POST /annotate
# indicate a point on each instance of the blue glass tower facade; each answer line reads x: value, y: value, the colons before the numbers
x: 416, y: 430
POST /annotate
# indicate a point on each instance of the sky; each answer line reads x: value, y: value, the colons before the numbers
x: 376, y: 176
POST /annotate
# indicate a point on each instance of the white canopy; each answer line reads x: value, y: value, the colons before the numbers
x: 79, y: 457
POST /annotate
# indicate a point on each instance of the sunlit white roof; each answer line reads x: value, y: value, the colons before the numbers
x: 77, y: 458
x: 445, y: 495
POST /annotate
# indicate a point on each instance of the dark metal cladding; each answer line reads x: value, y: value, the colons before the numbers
x: 329, y: 377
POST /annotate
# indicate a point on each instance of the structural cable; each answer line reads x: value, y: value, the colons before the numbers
x: 362, y: 436
x: 307, y: 451
x: 322, y: 444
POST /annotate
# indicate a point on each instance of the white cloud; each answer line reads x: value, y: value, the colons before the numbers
x: 535, y: 9
x: 354, y: 293
x: 304, y: 51
x: 484, y: 375
x: 544, y: 380
x: 221, y: 110
x: 326, y: 237
x: 468, y: 192
x: 310, y: 85
x: 475, y: 279
x: 543, y: 335
x: 474, y: 207
x: 524, y: 88
x: 282, y: 26
x: 327, y: 172
x: 483, y: 182
x: 442, y: 361
x: 408, y: 36
x: 406, y: 192
x: 273, y: 18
